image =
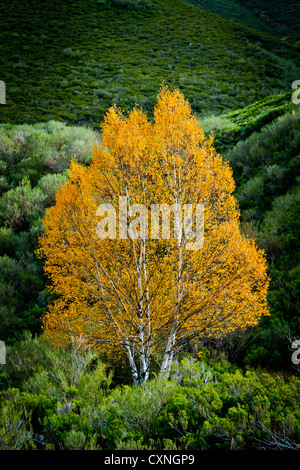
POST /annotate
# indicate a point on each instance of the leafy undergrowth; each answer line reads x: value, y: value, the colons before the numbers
x: 71, y: 60
x: 34, y: 162
x: 66, y: 400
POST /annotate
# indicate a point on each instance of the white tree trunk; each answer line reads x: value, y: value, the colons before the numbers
x: 169, y: 350
x: 168, y: 357
x: 134, y: 370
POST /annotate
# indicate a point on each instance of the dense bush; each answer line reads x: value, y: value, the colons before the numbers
x: 266, y: 170
x: 276, y: 143
x: 34, y: 160
x: 67, y: 401
x: 31, y: 151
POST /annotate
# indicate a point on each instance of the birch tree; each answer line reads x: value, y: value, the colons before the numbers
x: 143, y: 247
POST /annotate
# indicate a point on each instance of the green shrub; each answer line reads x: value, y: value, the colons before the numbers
x: 69, y: 431
x: 218, y: 125
x: 254, y: 188
x: 190, y: 373
x: 278, y: 230
x: 69, y: 52
x: 275, y: 173
x: 31, y: 151
x: 202, y: 406
x: 49, y: 184
x: 23, y: 359
x: 19, y: 206
x: 17, y: 286
x: 265, y: 147
x: 15, y: 426
x: 137, y: 410
x: 69, y: 368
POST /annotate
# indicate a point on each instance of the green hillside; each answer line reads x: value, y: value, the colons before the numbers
x: 71, y: 60
x: 280, y: 18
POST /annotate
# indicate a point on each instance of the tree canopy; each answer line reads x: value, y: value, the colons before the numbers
x: 148, y: 296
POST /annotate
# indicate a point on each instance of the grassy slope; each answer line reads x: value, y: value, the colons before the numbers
x: 280, y: 18
x: 71, y: 60
x: 229, y: 128
x: 232, y: 10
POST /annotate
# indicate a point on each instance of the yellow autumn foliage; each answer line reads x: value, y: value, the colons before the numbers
x: 142, y: 295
